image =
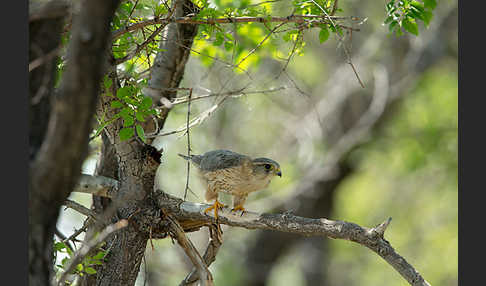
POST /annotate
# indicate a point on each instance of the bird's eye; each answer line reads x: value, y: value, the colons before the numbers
x: 268, y: 166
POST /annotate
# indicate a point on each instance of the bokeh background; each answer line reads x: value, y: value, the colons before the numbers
x: 347, y: 153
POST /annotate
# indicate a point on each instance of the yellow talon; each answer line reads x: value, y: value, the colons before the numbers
x: 239, y: 208
x: 217, y: 205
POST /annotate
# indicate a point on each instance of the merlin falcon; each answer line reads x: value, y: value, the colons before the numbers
x: 236, y: 174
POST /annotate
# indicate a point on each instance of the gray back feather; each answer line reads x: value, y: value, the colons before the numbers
x: 220, y: 159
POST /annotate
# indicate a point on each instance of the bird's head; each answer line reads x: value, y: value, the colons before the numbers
x: 264, y: 168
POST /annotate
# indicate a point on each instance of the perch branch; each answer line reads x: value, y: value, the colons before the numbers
x: 192, y: 213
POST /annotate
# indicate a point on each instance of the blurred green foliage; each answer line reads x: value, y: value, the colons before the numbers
x: 409, y: 172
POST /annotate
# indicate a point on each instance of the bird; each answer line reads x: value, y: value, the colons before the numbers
x: 233, y: 173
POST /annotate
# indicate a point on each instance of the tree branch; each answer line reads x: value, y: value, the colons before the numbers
x: 188, y: 213
x: 80, y: 208
x: 201, y: 268
x: 191, y: 20
x: 96, y: 185
x: 209, y: 256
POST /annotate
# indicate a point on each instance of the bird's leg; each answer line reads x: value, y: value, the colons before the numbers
x: 238, y: 202
x: 217, y: 205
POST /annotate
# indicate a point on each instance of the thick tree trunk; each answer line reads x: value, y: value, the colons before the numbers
x: 44, y: 36
x: 59, y: 131
x: 130, y: 157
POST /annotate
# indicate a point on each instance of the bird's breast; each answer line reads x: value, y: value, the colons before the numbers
x: 233, y: 181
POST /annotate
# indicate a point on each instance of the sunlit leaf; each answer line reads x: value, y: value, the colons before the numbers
x: 323, y: 35
x: 126, y: 133
x: 140, y: 133
x: 411, y: 26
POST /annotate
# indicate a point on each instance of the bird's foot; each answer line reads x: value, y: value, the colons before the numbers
x: 239, y: 208
x: 217, y: 205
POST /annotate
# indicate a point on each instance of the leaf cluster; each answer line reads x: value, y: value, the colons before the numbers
x: 403, y: 15
x: 86, y: 267
x: 132, y: 107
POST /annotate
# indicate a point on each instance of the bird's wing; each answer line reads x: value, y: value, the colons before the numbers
x: 221, y: 159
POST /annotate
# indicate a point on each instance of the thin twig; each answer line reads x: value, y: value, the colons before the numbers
x: 140, y: 47
x: 86, y: 248
x: 261, y: 43
x: 233, y: 93
x: 73, y: 236
x: 80, y: 208
x: 196, y: 121
x: 47, y: 57
x: 63, y: 238
x: 287, y: 61
x: 188, y: 141
x: 346, y: 51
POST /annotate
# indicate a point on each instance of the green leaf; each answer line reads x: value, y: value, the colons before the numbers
x: 64, y: 261
x: 123, y: 92
x: 146, y: 102
x: 116, y: 104
x: 90, y: 270
x: 399, y: 32
x: 69, y: 251
x: 219, y: 39
x: 126, y: 112
x: 79, y: 267
x: 228, y: 45
x: 126, y: 133
x: 430, y: 4
x: 427, y: 17
x: 58, y: 246
x: 410, y: 26
x: 417, y: 5
x: 128, y: 121
x: 140, y: 116
x: 323, y: 35
x: 392, y: 26
x: 140, y: 133
x: 107, y: 82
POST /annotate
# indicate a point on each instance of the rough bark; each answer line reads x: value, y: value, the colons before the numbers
x: 130, y: 163
x: 57, y: 163
x: 168, y: 69
x: 44, y: 36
